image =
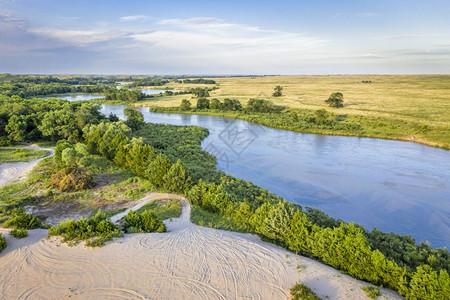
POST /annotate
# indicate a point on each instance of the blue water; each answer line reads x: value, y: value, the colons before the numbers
x: 76, y: 97
x: 394, y: 186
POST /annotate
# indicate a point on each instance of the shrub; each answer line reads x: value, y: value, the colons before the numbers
x: 72, y: 179
x: 302, y: 292
x: 2, y: 243
x: 97, y: 230
x: 145, y: 222
x: 19, y: 219
x: 185, y: 104
x: 19, y: 233
x: 335, y: 100
x: 372, y: 291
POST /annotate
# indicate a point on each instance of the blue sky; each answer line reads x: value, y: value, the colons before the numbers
x: 225, y: 37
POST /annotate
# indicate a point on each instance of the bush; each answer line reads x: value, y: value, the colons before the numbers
x: 2, y: 243
x: 19, y: 233
x: 372, y: 291
x: 72, y: 179
x: 302, y: 292
x: 19, y: 219
x: 97, y: 230
x: 145, y: 222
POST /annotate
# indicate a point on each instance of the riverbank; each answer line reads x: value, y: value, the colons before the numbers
x: 343, y: 125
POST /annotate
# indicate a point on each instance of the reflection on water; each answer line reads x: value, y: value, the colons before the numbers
x: 394, y: 186
x: 76, y: 97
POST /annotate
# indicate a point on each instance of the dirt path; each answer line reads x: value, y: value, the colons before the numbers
x: 10, y: 172
x: 151, y: 197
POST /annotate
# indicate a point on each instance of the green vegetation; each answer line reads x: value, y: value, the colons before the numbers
x: 162, y: 209
x: 206, y: 218
x: 3, y: 243
x: 124, y: 95
x: 72, y: 179
x: 19, y: 233
x: 135, y: 119
x: 200, y: 92
x: 23, y: 120
x: 302, y: 292
x: 199, y: 81
x: 185, y: 105
x: 17, y: 218
x: 18, y: 155
x: 148, y: 82
x: 372, y: 291
x: 147, y: 221
x: 335, y: 100
x: 278, y: 91
x: 182, y: 142
x: 31, y: 89
x: 96, y: 231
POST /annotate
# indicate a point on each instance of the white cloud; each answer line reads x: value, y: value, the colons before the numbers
x: 133, y: 18
x: 78, y: 37
x: 191, y: 21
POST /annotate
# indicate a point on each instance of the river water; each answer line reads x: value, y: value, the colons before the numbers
x: 394, y: 186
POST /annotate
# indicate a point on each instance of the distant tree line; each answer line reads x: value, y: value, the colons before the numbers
x: 199, y: 81
x: 26, y: 90
x: 253, y: 105
x: 149, y: 82
x: 124, y: 95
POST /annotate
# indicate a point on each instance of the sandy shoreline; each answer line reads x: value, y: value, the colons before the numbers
x: 188, y: 262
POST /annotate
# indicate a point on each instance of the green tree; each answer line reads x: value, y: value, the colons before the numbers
x: 60, y: 124
x: 17, y: 128
x: 200, y: 92
x: 60, y: 146
x: 185, y: 105
x: 214, y: 104
x: 203, y: 103
x: 157, y: 169
x: 176, y: 179
x: 278, y: 91
x: 429, y: 284
x: 335, y: 100
x: 135, y: 119
x: 258, y: 105
x: 321, y: 115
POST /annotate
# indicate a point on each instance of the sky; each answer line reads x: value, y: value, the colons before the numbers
x: 225, y: 37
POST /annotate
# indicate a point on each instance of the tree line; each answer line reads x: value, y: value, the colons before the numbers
x: 26, y: 90
x: 199, y: 81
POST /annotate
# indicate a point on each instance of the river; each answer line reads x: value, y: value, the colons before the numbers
x: 394, y: 186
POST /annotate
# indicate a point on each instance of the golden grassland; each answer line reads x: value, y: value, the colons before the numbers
x: 418, y: 99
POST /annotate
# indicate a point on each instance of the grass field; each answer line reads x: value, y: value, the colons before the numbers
x: 19, y: 155
x: 422, y: 101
